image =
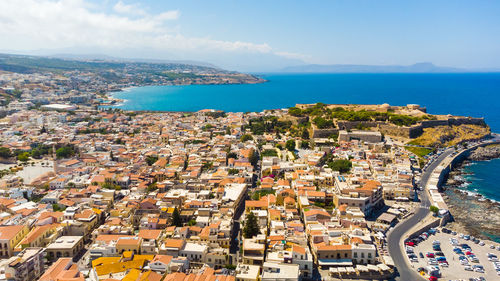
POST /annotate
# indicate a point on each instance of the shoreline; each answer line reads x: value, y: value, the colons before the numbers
x: 473, y: 213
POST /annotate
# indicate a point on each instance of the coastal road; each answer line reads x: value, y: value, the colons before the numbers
x: 395, y: 237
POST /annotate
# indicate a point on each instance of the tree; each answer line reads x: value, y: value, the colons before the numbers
x: 23, y: 157
x: 5, y: 152
x: 232, y: 155
x: 176, y: 218
x: 233, y: 171
x: 152, y: 187
x: 304, y: 144
x: 151, y: 159
x: 290, y: 145
x: 294, y: 111
x: 322, y: 123
x: 251, y: 226
x: 434, y: 209
x: 64, y: 152
x: 246, y: 137
x: 341, y: 165
x: 191, y: 222
x: 253, y: 157
x: 305, y: 134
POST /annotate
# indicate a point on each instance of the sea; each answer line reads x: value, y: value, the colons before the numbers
x: 465, y: 94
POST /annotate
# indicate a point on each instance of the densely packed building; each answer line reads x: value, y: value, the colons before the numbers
x: 104, y: 194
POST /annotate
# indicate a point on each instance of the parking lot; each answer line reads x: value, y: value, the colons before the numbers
x: 455, y: 270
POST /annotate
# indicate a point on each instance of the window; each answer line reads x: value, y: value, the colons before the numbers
x: 363, y: 255
x: 370, y: 255
x: 355, y: 255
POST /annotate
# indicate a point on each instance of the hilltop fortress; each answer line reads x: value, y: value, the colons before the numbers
x: 419, y: 117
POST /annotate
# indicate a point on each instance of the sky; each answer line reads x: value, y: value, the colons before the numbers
x: 259, y: 35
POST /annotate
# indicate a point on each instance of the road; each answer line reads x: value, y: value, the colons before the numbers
x: 396, y: 235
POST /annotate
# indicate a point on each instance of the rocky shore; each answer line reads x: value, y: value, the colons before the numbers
x: 485, y: 153
x: 472, y: 213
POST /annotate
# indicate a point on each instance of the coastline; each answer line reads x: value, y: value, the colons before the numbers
x: 472, y: 212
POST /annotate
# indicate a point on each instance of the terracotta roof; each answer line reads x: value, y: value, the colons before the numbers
x: 150, y: 234
x: 10, y: 231
x: 174, y: 243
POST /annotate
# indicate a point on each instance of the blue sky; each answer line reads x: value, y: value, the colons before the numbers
x: 258, y: 35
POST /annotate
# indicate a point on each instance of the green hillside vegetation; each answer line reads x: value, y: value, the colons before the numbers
x: 322, y: 116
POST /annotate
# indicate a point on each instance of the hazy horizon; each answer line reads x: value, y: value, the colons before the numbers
x: 259, y: 36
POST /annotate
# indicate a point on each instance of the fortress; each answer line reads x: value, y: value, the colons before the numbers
x: 387, y: 128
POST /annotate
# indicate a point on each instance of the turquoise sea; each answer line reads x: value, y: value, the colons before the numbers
x: 481, y: 178
x: 470, y: 94
x: 474, y: 94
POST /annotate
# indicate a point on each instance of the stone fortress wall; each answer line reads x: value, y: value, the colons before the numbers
x: 394, y: 130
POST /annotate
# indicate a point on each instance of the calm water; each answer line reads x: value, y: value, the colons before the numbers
x: 475, y: 95
x: 459, y: 94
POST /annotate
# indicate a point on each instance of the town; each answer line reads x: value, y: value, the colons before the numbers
x: 304, y: 193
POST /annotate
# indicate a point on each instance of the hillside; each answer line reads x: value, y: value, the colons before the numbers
x: 116, y: 69
x: 450, y: 135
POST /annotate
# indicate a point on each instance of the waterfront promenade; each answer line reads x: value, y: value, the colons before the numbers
x: 395, y: 236
x: 432, y: 177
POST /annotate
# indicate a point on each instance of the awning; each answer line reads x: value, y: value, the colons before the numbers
x: 383, y: 267
x: 335, y: 262
x: 362, y: 268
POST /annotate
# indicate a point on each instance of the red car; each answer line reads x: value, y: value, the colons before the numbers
x: 410, y: 244
x: 469, y: 253
x: 429, y: 255
x: 433, y: 278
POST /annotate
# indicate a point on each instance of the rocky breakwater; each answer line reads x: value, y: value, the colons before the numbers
x: 485, y: 153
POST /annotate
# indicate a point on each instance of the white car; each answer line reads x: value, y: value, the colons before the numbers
x: 478, y: 269
x: 481, y: 243
x: 468, y: 268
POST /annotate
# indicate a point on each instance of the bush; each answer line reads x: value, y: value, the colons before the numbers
x: 341, y: 165
x: 246, y: 137
x: 269, y: 152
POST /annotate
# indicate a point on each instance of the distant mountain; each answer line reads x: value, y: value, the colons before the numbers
x: 352, y: 68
